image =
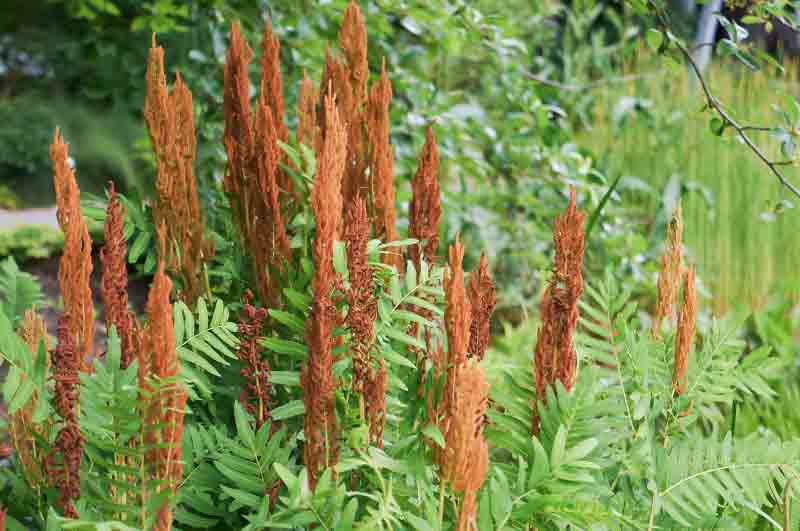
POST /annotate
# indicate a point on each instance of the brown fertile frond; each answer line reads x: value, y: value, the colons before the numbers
x: 271, y: 89
x: 482, y: 295
x: 255, y: 395
x: 669, y: 276
x: 463, y: 462
x: 254, y: 178
x: 346, y: 76
x: 238, y: 136
x: 685, y: 334
x: 375, y: 398
x: 308, y: 132
x: 22, y: 430
x: 425, y: 208
x: 317, y: 376
x: 353, y: 44
x: 114, y: 281
x: 170, y: 123
x: 165, y: 410
x: 554, y: 355
x: 271, y: 92
x: 64, y: 462
x: 457, y: 313
x: 75, y: 266
x: 381, y: 165
x: 268, y: 155
x: 363, y: 306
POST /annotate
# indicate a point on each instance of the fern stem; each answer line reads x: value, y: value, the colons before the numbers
x: 441, y: 504
x: 652, y: 512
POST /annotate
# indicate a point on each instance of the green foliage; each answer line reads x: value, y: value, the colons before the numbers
x: 34, y: 241
x: 19, y: 291
x: 203, y: 340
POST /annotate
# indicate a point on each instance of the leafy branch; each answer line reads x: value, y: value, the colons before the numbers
x: 714, y: 103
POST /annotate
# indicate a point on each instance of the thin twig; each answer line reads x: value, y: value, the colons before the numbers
x: 727, y: 119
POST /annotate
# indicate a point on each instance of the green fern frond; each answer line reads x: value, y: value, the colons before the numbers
x: 203, y: 342
x: 246, y: 462
x: 698, y: 477
x: 19, y: 290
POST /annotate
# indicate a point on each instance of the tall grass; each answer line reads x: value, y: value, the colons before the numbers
x: 655, y: 130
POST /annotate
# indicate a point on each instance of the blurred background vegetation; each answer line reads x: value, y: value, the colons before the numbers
x: 527, y: 97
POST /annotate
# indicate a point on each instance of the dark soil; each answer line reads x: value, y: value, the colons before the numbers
x: 46, y: 272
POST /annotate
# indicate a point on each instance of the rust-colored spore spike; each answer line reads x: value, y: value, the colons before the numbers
x: 425, y: 208
x: 75, y: 266
x: 271, y: 92
x: 464, y: 460
x: 164, y: 416
x: 381, y: 165
x: 461, y: 412
x: 353, y: 43
x: 114, y: 281
x: 255, y: 396
x: 669, y: 275
x: 554, y: 355
x: 254, y: 179
x: 64, y: 463
x: 317, y: 377
x: 345, y: 76
x: 482, y: 295
x: 22, y: 430
x: 375, y: 398
x: 170, y: 123
x: 308, y: 132
x: 457, y: 313
x: 685, y: 334
x: 363, y: 307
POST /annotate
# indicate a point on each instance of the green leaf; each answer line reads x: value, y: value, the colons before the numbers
x: 284, y: 346
x: 558, y: 450
x: 139, y: 247
x: 717, y: 126
x: 289, y: 320
x: 654, y: 39
x: 243, y: 427
x: 290, y: 409
x: 432, y: 432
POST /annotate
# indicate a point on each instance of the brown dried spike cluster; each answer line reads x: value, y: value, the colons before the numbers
x: 166, y: 408
x: 482, y: 295
x: 381, y: 165
x: 464, y: 460
x: 271, y: 93
x: 669, y: 276
x: 253, y: 179
x: 170, y: 123
x: 345, y: 75
x: 685, y: 334
x: 317, y: 376
x: 114, y: 281
x: 554, y: 356
x: 255, y: 395
x: 64, y: 463
x: 75, y: 266
x: 375, y: 398
x: 353, y: 43
x: 425, y: 208
x: 457, y: 313
x: 363, y: 307
x: 308, y: 132
x: 21, y: 428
